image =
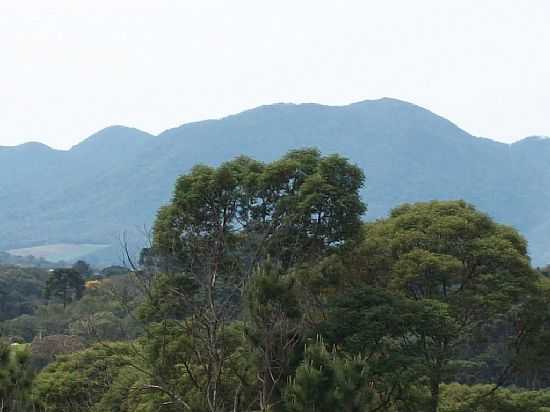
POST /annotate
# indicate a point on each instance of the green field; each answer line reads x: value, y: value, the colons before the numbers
x: 58, y: 252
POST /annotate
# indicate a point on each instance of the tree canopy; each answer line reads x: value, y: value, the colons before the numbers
x: 65, y: 284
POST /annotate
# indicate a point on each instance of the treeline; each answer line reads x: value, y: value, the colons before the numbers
x: 36, y: 302
x: 263, y: 290
x: 7, y: 259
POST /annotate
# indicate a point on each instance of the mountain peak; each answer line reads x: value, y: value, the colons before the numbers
x: 384, y: 100
x: 113, y: 137
x: 29, y: 147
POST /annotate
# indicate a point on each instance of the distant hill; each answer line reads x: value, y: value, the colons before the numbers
x: 115, y: 180
x: 7, y: 259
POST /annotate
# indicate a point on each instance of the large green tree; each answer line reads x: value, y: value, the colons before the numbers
x: 461, y: 271
x: 65, y: 284
x: 222, y: 225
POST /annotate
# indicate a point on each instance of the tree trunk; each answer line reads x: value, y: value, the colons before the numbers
x: 434, y: 389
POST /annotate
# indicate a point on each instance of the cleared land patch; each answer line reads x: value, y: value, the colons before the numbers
x: 60, y: 251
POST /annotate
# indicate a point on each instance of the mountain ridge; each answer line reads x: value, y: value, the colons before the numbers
x: 116, y: 179
x: 275, y: 105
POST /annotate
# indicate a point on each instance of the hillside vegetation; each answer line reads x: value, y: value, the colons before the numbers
x: 264, y: 291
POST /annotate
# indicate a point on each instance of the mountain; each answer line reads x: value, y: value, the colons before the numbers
x: 115, y: 180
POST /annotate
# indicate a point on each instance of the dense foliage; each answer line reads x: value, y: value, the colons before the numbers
x: 7, y: 259
x: 15, y: 377
x: 21, y: 290
x: 264, y: 291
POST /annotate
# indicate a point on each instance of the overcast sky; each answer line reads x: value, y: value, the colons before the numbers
x: 71, y: 67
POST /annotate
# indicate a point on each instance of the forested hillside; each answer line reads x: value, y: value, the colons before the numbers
x: 263, y: 291
x: 115, y: 180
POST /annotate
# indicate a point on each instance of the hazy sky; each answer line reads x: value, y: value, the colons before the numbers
x: 71, y: 67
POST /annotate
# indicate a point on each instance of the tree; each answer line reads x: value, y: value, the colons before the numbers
x: 460, y: 269
x: 274, y: 329
x: 21, y: 290
x: 224, y: 222
x: 292, y: 210
x: 78, y: 381
x: 65, y: 284
x: 83, y: 268
x: 531, y: 363
x: 15, y: 377
x: 327, y: 382
x: 385, y: 331
x: 46, y: 349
